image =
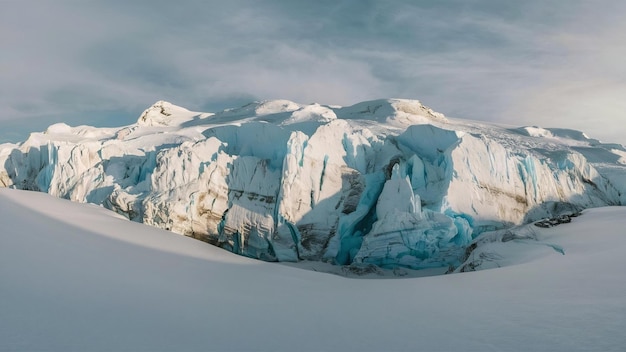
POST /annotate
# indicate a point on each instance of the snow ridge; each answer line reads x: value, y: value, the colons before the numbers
x: 386, y: 182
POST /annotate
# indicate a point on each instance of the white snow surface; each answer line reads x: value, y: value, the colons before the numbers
x: 386, y: 182
x: 94, y: 281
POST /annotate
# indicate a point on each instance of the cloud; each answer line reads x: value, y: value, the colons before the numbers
x: 584, y: 83
x: 526, y: 62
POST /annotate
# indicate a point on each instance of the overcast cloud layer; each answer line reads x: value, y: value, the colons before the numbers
x: 546, y: 63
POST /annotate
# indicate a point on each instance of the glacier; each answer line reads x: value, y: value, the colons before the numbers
x: 388, y: 182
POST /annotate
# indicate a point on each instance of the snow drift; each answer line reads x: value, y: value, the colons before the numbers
x: 95, y: 282
x: 387, y: 182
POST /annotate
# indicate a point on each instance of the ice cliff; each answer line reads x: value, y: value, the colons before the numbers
x: 386, y: 182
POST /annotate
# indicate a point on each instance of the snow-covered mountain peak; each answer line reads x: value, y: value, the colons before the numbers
x: 59, y: 128
x: 562, y: 134
x: 394, y: 111
x: 163, y: 113
x: 388, y: 113
x: 261, y: 108
x: 267, y: 107
x: 311, y: 113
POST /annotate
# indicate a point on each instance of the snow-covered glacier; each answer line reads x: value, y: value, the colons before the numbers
x: 386, y: 182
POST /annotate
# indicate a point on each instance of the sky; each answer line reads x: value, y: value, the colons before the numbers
x: 535, y: 62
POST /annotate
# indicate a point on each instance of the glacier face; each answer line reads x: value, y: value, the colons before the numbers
x: 387, y: 182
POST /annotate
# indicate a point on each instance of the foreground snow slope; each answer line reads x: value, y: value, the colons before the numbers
x: 385, y: 182
x: 95, y: 282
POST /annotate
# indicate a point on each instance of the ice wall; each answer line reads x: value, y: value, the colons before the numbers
x: 387, y: 182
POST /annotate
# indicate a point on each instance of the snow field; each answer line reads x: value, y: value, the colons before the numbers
x: 79, y: 277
